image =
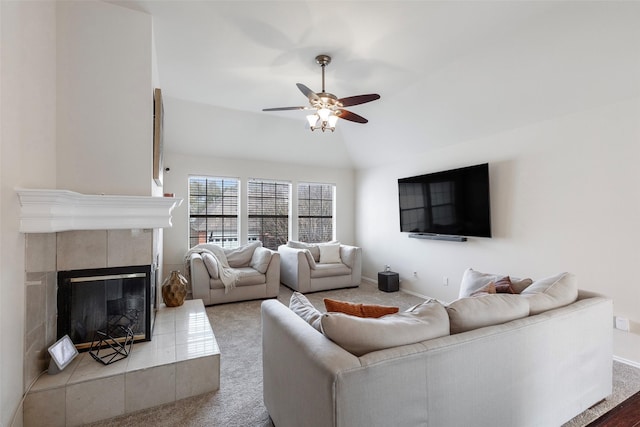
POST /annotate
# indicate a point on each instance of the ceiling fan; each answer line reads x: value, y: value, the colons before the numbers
x: 329, y: 108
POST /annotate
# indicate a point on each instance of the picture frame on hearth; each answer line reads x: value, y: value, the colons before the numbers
x: 158, y: 118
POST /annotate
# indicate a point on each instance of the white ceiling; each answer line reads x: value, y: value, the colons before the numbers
x: 447, y: 71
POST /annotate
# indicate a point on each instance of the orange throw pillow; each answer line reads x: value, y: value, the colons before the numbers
x: 360, y: 310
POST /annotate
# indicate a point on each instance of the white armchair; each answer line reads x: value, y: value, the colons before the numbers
x: 302, y: 268
x: 258, y: 272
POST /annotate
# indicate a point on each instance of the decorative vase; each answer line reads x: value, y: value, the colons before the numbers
x: 174, y: 289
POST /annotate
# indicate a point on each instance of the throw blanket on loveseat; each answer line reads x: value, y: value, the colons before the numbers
x: 228, y: 275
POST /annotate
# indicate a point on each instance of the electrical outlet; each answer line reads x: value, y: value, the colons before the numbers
x: 415, y: 274
x: 445, y: 281
x: 622, y: 323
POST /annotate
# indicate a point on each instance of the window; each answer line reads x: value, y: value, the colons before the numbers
x: 315, y: 212
x: 213, y: 211
x: 268, y: 210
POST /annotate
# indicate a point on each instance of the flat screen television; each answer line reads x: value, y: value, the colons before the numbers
x: 452, y: 203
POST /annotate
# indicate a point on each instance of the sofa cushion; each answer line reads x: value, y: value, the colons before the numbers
x: 248, y: 277
x: 260, y: 259
x: 241, y: 256
x: 470, y: 313
x: 551, y: 292
x: 360, y: 310
x: 211, y: 264
x: 330, y: 253
x: 330, y: 270
x: 301, y: 306
x: 361, y: 335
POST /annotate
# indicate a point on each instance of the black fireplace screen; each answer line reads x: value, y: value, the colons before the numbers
x: 105, y: 300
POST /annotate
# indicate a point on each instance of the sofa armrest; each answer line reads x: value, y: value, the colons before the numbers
x: 273, y: 275
x: 294, y: 268
x: 352, y: 257
x: 199, y: 279
x: 300, y: 369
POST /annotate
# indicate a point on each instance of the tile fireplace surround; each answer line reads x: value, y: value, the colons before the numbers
x: 69, y: 231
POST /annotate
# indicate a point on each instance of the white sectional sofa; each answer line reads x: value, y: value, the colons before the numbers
x: 536, y: 370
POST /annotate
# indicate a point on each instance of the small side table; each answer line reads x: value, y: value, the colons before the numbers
x: 388, y: 281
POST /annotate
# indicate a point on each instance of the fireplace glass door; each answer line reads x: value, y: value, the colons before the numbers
x: 107, y: 300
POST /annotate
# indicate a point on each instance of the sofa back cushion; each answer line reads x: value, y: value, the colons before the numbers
x: 362, y: 335
x: 312, y: 247
x: 470, y: 313
x: 260, y: 259
x: 241, y: 256
x: 551, y: 292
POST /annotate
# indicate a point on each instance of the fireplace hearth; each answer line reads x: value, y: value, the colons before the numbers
x: 106, y: 301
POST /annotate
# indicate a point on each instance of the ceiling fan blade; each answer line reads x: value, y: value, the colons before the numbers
x: 352, y: 117
x: 285, y: 108
x: 307, y: 92
x: 358, y: 99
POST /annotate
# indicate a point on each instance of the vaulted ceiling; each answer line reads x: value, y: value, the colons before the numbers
x: 447, y: 71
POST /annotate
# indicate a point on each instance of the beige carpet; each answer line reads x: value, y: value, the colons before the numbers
x: 239, y: 400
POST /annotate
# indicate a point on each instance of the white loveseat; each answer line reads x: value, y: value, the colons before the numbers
x: 304, y: 268
x: 258, y: 271
x: 536, y: 370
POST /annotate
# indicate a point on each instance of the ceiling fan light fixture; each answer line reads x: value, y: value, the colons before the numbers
x: 333, y: 119
x: 324, y: 114
x: 328, y: 107
x: 312, y: 119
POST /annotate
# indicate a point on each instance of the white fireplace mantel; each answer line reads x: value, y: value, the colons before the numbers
x: 49, y: 211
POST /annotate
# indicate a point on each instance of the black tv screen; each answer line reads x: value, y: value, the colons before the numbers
x: 454, y: 202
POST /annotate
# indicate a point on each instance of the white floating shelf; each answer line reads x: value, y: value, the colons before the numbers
x: 49, y: 211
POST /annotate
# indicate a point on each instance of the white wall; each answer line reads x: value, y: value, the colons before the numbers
x: 176, y: 239
x: 105, y: 93
x: 27, y: 141
x: 564, y: 197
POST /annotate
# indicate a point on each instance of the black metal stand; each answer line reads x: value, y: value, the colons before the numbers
x: 113, y: 345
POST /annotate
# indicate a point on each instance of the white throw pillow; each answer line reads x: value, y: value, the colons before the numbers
x: 551, y: 292
x: 329, y: 253
x: 260, y: 259
x: 301, y: 306
x: 473, y: 280
x: 211, y: 265
x: 362, y: 335
x: 470, y: 313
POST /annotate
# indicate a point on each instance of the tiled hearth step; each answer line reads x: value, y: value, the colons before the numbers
x: 181, y: 360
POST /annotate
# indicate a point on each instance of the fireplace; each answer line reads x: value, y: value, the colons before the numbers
x: 109, y: 300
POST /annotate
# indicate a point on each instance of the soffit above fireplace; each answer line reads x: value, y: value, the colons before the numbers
x: 50, y: 211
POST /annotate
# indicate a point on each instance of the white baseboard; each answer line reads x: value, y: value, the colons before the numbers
x: 415, y: 294
x: 626, y: 361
